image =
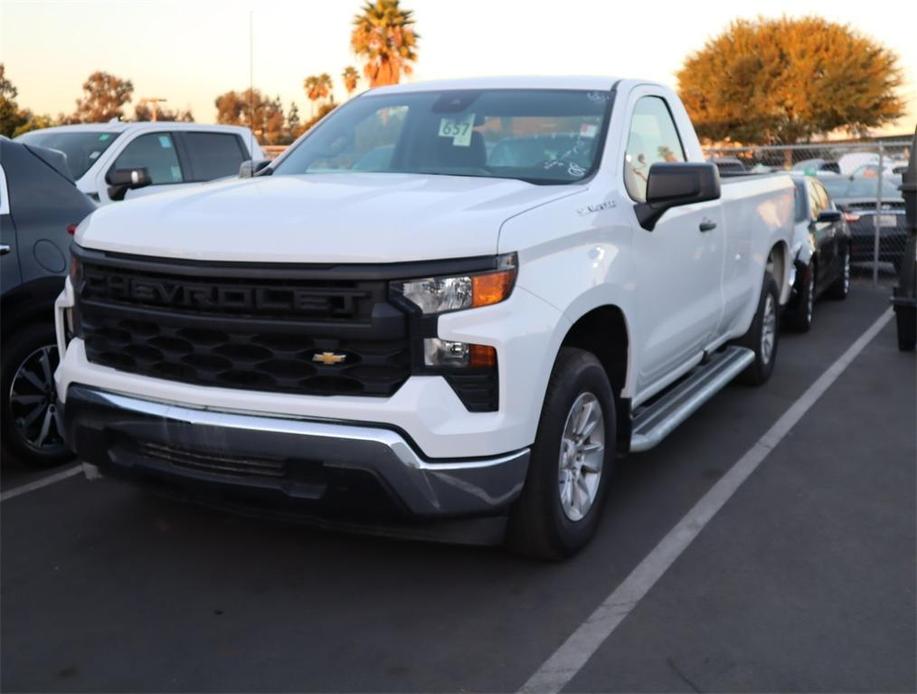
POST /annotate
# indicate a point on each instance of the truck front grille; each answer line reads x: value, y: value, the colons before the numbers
x: 241, y: 326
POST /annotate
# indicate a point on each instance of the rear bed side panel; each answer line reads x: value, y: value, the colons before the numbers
x: 758, y: 213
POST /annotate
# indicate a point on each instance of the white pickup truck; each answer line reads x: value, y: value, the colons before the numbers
x: 448, y: 300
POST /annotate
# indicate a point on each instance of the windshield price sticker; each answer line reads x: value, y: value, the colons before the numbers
x: 459, y: 130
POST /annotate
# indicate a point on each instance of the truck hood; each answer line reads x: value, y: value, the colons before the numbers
x: 319, y: 218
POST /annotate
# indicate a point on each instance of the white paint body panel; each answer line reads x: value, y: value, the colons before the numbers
x: 682, y: 292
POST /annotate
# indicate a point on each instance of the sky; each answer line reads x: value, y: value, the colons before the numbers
x: 189, y: 51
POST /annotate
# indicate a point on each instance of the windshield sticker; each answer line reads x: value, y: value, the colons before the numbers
x: 597, y: 97
x: 589, y: 130
x: 165, y: 142
x: 94, y: 155
x: 460, y: 130
x: 575, y: 169
x: 103, y: 137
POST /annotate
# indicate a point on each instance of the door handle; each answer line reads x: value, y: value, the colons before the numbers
x: 4, y: 249
x: 707, y: 225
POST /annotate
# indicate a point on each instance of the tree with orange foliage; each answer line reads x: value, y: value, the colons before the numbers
x: 383, y: 34
x: 782, y: 81
x: 350, y: 77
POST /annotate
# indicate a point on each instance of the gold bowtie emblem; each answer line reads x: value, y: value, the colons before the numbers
x: 329, y: 358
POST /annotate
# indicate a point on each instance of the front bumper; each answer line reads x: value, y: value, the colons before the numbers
x: 286, y: 459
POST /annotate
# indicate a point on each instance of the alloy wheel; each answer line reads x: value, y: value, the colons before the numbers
x: 33, y: 402
x: 582, y: 456
x: 768, y: 329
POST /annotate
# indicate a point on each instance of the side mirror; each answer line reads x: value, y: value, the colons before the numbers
x: 671, y: 185
x: 122, y: 180
x: 830, y: 216
x: 250, y: 168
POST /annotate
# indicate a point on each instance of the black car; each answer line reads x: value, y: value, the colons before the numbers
x: 857, y: 197
x: 39, y: 208
x: 821, y: 244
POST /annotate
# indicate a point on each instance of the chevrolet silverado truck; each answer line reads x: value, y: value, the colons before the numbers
x: 446, y: 301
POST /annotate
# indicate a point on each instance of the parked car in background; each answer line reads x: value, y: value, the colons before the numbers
x: 857, y: 198
x: 113, y: 161
x: 39, y: 209
x: 817, y: 167
x: 821, y: 252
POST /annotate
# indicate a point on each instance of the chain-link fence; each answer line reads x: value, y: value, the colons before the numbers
x: 862, y: 179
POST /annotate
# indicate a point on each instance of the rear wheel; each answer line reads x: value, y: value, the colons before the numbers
x: 799, y: 316
x: 571, y: 461
x: 762, y: 336
x: 30, y: 424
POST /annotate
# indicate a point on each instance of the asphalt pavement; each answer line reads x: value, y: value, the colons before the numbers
x: 804, y: 580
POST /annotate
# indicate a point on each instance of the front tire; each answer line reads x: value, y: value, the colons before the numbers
x: 30, y: 426
x: 762, y: 336
x: 571, y: 461
x: 841, y: 286
x: 799, y: 316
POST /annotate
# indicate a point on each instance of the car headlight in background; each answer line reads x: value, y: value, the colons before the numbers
x: 434, y: 295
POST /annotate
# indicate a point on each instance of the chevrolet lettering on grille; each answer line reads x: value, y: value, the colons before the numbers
x: 215, y: 296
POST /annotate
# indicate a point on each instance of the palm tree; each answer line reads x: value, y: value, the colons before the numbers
x: 350, y: 77
x: 383, y: 34
x: 318, y: 87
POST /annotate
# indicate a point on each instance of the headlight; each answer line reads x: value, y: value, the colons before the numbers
x: 441, y: 294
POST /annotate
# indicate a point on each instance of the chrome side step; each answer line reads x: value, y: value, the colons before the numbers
x: 651, y: 424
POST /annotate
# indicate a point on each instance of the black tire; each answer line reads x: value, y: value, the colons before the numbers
x: 841, y: 286
x: 798, y: 316
x: 22, y: 352
x: 539, y: 526
x: 906, y: 317
x: 759, y: 371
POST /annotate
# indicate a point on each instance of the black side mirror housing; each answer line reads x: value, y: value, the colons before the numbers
x: 250, y: 168
x: 830, y: 216
x: 122, y: 180
x: 673, y: 184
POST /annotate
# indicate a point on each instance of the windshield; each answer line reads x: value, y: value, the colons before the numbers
x: 81, y: 148
x: 862, y: 187
x: 540, y: 136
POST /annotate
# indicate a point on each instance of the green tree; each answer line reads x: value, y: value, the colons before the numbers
x: 318, y: 87
x: 11, y: 117
x: 252, y: 109
x: 294, y: 122
x: 104, y: 97
x: 350, y: 77
x: 33, y: 121
x: 145, y: 110
x: 781, y: 81
x: 384, y: 36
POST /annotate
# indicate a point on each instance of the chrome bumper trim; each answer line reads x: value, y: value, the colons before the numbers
x: 426, y: 487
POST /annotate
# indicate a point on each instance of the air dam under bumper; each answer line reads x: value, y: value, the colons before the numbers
x: 121, y: 434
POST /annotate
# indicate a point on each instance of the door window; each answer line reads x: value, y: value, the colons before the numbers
x: 214, y: 155
x: 652, y: 139
x: 156, y: 153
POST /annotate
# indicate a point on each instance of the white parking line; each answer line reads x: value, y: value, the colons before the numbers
x: 43, y: 482
x: 557, y: 671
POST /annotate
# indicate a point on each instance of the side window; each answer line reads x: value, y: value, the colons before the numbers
x: 156, y: 153
x: 653, y: 138
x: 802, y: 193
x: 371, y: 146
x: 214, y: 155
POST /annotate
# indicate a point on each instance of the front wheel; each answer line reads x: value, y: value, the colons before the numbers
x: 30, y: 430
x: 762, y: 336
x: 571, y: 461
x: 841, y: 287
x: 799, y: 315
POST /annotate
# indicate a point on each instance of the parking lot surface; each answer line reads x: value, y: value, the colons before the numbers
x: 804, y: 581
